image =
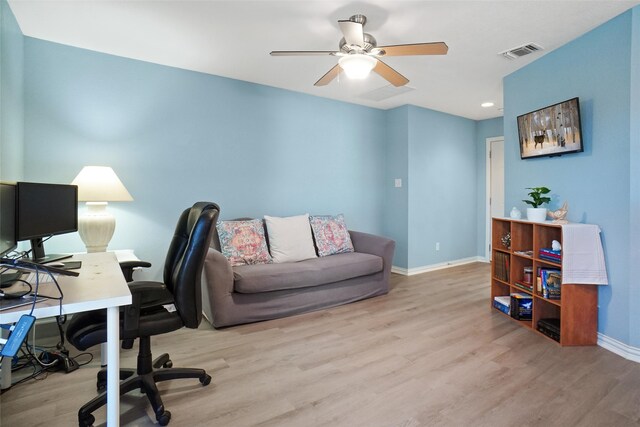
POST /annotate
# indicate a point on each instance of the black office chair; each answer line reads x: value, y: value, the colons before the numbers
x: 129, y: 267
x: 146, y: 316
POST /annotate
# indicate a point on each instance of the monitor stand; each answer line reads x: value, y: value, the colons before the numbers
x: 37, y: 250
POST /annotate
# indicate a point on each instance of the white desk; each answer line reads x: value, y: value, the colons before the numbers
x: 100, y: 285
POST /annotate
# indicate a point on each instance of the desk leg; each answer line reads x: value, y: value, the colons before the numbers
x: 103, y: 354
x: 113, y: 368
x: 5, y: 373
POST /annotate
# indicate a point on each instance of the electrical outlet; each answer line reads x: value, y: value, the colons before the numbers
x: 437, y: 246
x: 398, y: 182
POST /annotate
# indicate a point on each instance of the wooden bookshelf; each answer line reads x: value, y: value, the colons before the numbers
x: 577, y: 309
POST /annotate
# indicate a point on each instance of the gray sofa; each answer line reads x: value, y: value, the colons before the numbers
x: 251, y: 293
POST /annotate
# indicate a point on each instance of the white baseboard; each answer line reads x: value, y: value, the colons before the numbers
x: 619, y: 348
x: 433, y: 267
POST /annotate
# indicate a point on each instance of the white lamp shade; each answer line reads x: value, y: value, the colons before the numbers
x: 100, y: 184
x: 357, y: 66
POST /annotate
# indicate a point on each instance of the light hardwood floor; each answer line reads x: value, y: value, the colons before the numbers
x: 432, y: 352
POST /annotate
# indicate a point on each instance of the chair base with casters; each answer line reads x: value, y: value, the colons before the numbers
x: 148, y: 315
x: 144, y: 378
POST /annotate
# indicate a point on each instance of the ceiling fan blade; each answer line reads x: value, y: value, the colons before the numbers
x: 327, y: 78
x: 390, y: 75
x: 302, y: 52
x: 353, y: 33
x: 438, y: 48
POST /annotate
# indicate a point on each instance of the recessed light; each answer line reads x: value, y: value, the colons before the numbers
x: 486, y: 104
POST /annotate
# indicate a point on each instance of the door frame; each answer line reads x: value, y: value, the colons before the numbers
x: 487, y: 236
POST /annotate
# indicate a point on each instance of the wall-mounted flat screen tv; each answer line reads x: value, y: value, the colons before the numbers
x: 551, y: 131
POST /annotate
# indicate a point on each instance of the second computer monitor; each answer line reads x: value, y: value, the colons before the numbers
x: 7, y: 218
x: 44, y: 210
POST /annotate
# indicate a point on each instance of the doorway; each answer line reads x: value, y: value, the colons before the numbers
x: 494, y: 186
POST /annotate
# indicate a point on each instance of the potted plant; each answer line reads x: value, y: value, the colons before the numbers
x: 538, y: 198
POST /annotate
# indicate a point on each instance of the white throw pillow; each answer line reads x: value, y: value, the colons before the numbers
x: 290, y: 238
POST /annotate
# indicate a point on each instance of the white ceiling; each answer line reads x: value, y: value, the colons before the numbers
x: 234, y: 38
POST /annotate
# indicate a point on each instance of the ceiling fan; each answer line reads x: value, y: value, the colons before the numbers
x: 359, y: 54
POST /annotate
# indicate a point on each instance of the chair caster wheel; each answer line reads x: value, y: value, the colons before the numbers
x: 205, y: 380
x: 168, y: 364
x: 86, y: 421
x: 101, y: 386
x: 163, y: 418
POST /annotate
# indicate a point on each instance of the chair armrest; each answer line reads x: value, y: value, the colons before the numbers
x: 127, y: 268
x: 144, y: 295
x: 141, y: 286
x: 134, y: 264
x: 151, y: 293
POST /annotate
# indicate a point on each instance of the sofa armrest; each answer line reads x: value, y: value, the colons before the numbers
x: 218, y: 283
x: 374, y: 245
x: 371, y: 244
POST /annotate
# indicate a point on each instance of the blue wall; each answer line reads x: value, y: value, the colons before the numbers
x: 634, y: 187
x: 595, y: 68
x: 484, y: 129
x: 396, y: 206
x: 435, y: 155
x: 11, y: 95
x: 175, y: 137
x: 442, y: 194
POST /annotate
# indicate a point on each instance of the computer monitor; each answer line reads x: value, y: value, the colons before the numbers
x: 8, y: 239
x: 44, y: 210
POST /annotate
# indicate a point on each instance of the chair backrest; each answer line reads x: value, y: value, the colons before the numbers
x: 185, y: 259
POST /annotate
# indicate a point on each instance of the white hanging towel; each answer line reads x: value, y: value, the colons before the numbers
x: 582, y: 255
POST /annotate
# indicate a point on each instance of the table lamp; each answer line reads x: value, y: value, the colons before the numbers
x: 98, y: 185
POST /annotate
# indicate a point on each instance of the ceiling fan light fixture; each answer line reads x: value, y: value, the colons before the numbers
x: 357, y: 66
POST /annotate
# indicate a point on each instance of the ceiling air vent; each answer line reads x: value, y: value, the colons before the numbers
x: 385, y: 92
x: 519, y: 51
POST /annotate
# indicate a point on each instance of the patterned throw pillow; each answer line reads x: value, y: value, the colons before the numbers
x: 331, y: 234
x: 243, y: 242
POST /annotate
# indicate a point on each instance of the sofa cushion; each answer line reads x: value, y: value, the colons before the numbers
x: 331, y: 234
x: 249, y: 279
x: 290, y: 238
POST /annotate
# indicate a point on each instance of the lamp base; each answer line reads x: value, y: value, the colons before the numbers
x: 96, y: 227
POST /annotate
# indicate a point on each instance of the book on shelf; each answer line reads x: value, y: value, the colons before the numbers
x: 551, y: 280
x: 521, y: 306
x: 556, y: 260
x: 550, y: 328
x: 550, y: 251
x: 501, y: 266
x: 502, y: 303
x: 524, y: 285
x: 550, y: 255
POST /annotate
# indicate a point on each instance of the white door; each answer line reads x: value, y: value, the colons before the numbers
x: 495, y: 185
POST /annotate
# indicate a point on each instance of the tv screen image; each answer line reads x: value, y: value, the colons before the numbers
x: 8, y: 240
x: 551, y: 131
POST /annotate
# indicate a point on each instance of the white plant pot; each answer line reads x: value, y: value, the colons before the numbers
x: 537, y: 214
